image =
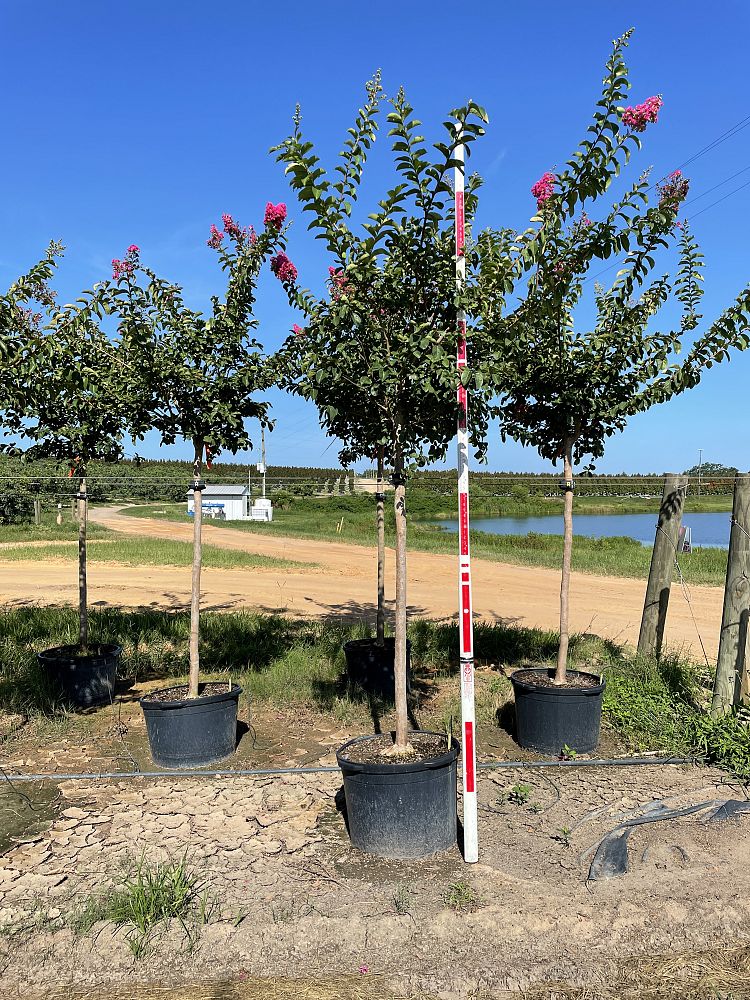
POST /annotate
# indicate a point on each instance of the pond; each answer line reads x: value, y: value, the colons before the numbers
x: 708, y: 529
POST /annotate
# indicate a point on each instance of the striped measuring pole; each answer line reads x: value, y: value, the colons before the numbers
x: 465, y: 623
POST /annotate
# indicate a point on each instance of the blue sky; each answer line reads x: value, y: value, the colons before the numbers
x: 142, y: 122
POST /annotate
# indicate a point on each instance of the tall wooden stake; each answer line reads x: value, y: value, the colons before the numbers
x: 465, y: 620
x: 195, y: 592
x: 732, y: 682
x: 83, y: 604
x: 380, y: 519
x: 651, y: 636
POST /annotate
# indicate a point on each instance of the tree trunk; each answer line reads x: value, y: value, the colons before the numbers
x: 562, y: 653
x: 399, y: 505
x: 380, y: 517
x: 83, y: 606
x: 195, y: 594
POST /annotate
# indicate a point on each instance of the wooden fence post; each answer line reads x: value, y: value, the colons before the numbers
x: 651, y: 636
x: 732, y: 683
x: 37, y: 512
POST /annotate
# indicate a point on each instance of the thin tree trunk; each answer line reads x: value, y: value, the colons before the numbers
x: 195, y: 594
x: 83, y: 606
x: 399, y: 504
x: 562, y: 654
x: 380, y: 517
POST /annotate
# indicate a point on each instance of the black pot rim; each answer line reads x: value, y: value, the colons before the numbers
x: 149, y: 705
x: 405, y: 767
x: 57, y: 653
x: 371, y: 641
x: 556, y: 692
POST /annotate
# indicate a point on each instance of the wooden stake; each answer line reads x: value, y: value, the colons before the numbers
x: 651, y: 636
x: 380, y: 519
x: 195, y: 595
x: 732, y: 683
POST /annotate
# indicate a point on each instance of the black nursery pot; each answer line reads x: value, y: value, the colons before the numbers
x: 549, y: 718
x: 191, y: 732
x: 372, y: 666
x: 84, y: 680
x: 400, y: 810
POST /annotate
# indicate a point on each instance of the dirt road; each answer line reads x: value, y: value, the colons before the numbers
x: 342, y: 581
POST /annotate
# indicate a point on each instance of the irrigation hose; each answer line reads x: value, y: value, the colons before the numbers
x: 272, y: 772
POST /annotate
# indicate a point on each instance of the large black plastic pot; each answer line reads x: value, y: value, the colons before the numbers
x: 372, y: 666
x: 190, y: 732
x: 550, y: 718
x: 84, y: 680
x: 400, y: 810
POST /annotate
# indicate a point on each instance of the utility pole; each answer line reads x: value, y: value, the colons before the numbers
x: 700, y: 469
x: 263, y: 457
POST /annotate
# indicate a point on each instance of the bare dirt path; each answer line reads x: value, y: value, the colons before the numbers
x: 342, y: 581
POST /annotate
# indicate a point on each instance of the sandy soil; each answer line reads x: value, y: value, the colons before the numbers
x: 291, y: 897
x: 343, y: 582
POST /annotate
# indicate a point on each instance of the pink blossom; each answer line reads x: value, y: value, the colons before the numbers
x: 298, y: 331
x: 231, y: 227
x: 673, y: 190
x: 544, y: 188
x: 338, y: 281
x: 216, y: 237
x: 283, y: 268
x: 275, y: 215
x: 641, y: 115
x: 133, y: 250
x: 364, y: 969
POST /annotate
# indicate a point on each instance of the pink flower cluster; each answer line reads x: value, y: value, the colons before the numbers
x: 298, y: 331
x: 214, y: 241
x: 283, y: 268
x: 544, y: 188
x: 673, y: 191
x: 233, y: 229
x: 127, y: 265
x: 338, y: 281
x: 275, y: 215
x: 641, y: 115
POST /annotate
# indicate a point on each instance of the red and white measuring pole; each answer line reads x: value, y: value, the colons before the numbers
x: 465, y: 622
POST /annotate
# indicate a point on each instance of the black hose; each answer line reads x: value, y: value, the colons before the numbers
x: 266, y: 772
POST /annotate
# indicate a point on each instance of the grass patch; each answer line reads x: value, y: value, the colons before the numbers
x: 601, y: 556
x: 461, y: 897
x: 49, y: 530
x: 648, y: 705
x: 148, y: 898
x: 148, y: 552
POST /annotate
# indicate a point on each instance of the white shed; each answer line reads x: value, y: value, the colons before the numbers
x: 225, y: 503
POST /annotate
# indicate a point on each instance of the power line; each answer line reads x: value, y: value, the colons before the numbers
x: 719, y: 200
x: 720, y: 184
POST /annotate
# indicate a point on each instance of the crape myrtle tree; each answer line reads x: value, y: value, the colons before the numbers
x: 21, y: 313
x: 565, y: 387
x: 377, y: 352
x: 200, y: 373
x: 69, y: 404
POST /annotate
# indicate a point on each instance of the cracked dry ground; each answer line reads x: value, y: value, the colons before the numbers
x: 292, y: 898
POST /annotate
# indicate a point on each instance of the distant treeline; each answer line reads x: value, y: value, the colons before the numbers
x: 162, y: 481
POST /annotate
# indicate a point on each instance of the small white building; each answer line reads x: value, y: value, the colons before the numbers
x: 231, y: 503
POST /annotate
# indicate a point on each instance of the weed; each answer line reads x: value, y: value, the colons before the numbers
x: 150, y: 896
x: 536, y: 807
x: 240, y: 916
x: 563, y: 836
x: 402, y: 900
x: 568, y: 753
x: 518, y: 795
x: 461, y: 897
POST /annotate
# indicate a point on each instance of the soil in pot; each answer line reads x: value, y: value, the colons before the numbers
x: 370, y: 666
x: 400, y: 807
x: 551, y: 716
x: 192, y: 732
x: 85, y: 679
